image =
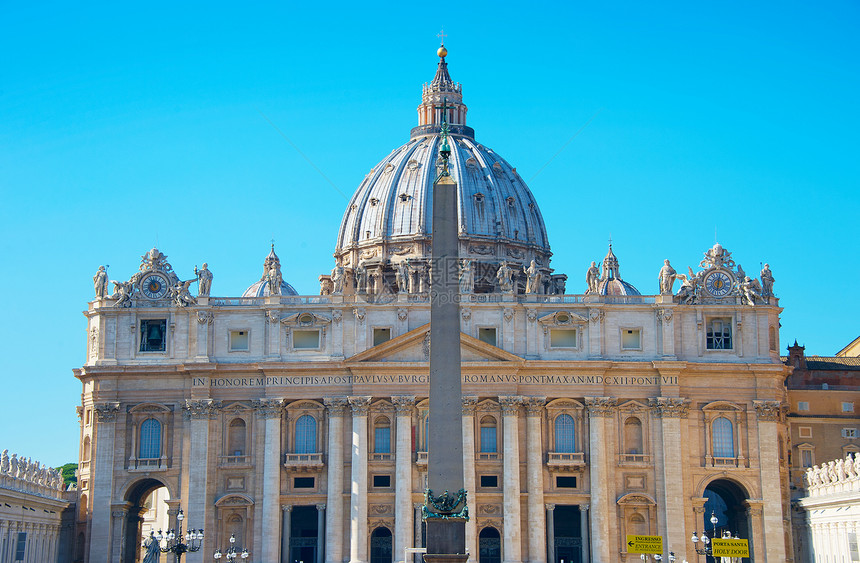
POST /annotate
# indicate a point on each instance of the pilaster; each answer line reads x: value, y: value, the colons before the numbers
x: 469, y: 403
x: 270, y: 411
x: 511, y: 540
x: 670, y: 412
x: 403, y: 406
x: 100, y: 527
x: 769, y: 414
x: 358, y: 489
x: 336, y: 407
x: 534, y: 477
x: 600, y: 409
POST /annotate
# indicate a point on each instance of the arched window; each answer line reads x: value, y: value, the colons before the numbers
x: 382, y: 436
x: 638, y: 525
x: 306, y: 435
x: 236, y: 437
x: 488, y: 435
x: 150, y: 439
x: 82, y: 508
x: 236, y: 527
x: 85, y: 449
x: 723, y: 437
x: 565, y: 437
x: 633, y: 436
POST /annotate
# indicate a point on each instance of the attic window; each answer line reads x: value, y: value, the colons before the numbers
x: 479, y: 198
x: 471, y: 163
x: 306, y: 319
x: 497, y: 169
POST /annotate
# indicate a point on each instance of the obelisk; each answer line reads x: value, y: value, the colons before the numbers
x: 445, y: 511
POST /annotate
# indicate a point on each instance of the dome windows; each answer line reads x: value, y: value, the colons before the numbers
x: 404, y: 197
x: 479, y: 197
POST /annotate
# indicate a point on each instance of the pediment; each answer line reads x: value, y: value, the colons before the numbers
x: 414, y: 346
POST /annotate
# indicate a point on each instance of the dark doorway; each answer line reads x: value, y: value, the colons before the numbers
x: 381, y: 550
x: 136, y: 496
x: 567, y: 532
x: 303, y: 534
x: 489, y: 546
x: 726, y: 502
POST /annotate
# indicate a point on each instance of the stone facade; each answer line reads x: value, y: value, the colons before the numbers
x: 298, y: 424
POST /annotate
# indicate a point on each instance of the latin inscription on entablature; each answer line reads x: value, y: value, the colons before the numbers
x: 629, y: 381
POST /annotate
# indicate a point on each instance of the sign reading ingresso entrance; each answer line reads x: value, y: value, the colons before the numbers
x: 650, y: 545
x: 730, y: 548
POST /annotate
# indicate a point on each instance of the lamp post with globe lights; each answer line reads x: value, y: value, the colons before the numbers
x: 171, y: 540
x: 706, y: 548
x: 231, y: 553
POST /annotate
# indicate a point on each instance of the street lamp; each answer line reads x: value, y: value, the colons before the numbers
x: 231, y: 554
x: 171, y: 541
x: 706, y: 548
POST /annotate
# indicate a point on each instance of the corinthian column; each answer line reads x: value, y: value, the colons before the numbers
x: 403, y: 406
x: 334, y: 488
x: 599, y: 411
x: 511, y: 543
x: 769, y: 414
x: 358, y: 490
x: 469, y: 402
x: 671, y: 411
x: 200, y: 413
x: 102, y: 482
x: 270, y: 411
x: 534, y: 480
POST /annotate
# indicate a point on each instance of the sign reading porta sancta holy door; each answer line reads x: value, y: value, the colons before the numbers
x: 730, y: 548
x: 649, y: 545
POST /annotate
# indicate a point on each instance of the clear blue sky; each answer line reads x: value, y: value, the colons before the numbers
x: 127, y: 124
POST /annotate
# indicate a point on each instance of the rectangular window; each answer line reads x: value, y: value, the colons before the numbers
x: 719, y: 334
x: 487, y: 335
x: 381, y: 335
x: 489, y: 481
x: 847, y: 407
x: 153, y: 335
x: 562, y: 338
x: 21, y: 546
x: 802, y: 405
x: 382, y: 440
x: 303, y: 482
x: 631, y: 339
x: 849, y: 432
x: 804, y: 432
x: 306, y: 339
x: 565, y: 482
x: 382, y: 481
x: 806, y: 459
x: 239, y: 341
x: 488, y: 439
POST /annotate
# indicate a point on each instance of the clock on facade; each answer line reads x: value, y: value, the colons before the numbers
x: 153, y: 286
x: 718, y: 283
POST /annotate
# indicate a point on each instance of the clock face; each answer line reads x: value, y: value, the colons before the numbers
x: 718, y: 283
x: 153, y: 286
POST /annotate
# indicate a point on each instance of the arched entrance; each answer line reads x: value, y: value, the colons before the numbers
x: 381, y: 550
x: 489, y: 546
x: 726, y: 502
x: 146, y: 510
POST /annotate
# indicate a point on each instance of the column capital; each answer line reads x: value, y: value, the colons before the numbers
x: 201, y: 409
x: 286, y: 507
x: 269, y: 408
x: 321, y: 507
x: 534, y: 405
x: 769, y: 411
x: 106, y: 412
x: 669, y: 407
x: 601, y: 406
x: 584, y: 507
x: 336, y: 406
x: 550, y: 507
x: 360, y: 404
x: 510, y: 404
x: 469, y: 404
x: 403, y: 404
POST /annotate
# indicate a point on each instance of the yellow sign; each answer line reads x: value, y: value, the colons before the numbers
x: 730, y: 548
x: 650, y: 545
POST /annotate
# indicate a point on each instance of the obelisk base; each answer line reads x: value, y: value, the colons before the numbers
x: 444, y: 539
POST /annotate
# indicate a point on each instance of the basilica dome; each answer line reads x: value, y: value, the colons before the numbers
x: 388, y: 219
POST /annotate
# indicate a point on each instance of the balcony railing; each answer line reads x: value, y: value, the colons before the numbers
x: 234, y: 460
x: 84, y: 466
x: 634, y: 458
x: 421, y: 458
x: 488, y: 456
x: 374, y: 456
x: 724, y: 461
x: 565, y: 459
x: 303, y: 462
x: 148, y: 464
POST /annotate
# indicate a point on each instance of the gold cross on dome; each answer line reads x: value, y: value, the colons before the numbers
x: 441, y: 35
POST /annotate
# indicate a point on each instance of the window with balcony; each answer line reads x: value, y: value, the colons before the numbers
x: 306, y: 435
x: 634, y: 447
x: 723, y: 438
x: 489, y: 444
x: 150, y: 439
x: 565, y: 434
x: 236, y: 437
x: 382, y: 436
